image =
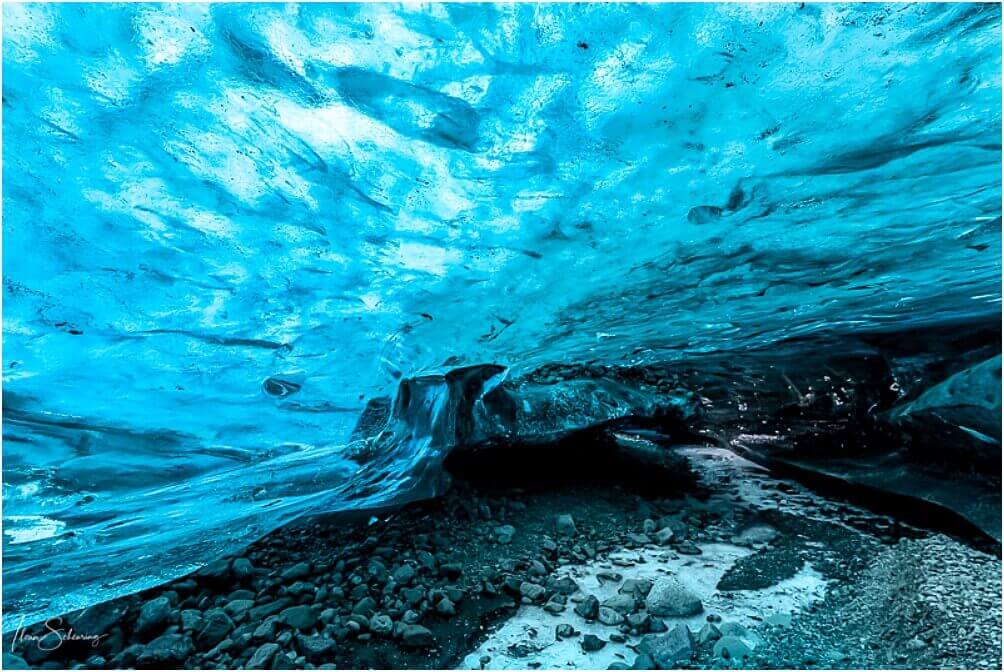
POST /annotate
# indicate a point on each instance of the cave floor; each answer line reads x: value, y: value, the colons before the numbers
x: 526, y: 576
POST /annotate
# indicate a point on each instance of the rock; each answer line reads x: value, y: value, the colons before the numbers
x: 648, y: 526
x: 127, y: 657
x: 709, y: 633
x: 618, y: 666
x: 381, y: 624
x: 504, y: 534
x: 97, y: 619
x: 639, y: 539
x: 416, y: 636
x: 564, y: 631
x: 263, y: 611
x: 167, y: 651
x: 688, y: 548
x: 564, y: 525
x: 263, y: 656
x: 216, y: 625
x: 216, y: 572
x: 555, y: 605
x: 301, y: 570
x: 445, y: 607
x: 639, y: 621
x: 732, y: 629
x: 532, y: 591
x: 242, y: 569
x: 639, y: 588
x: 563, y: 586
x: 608, y: 616
x: 669, y: 597
x: 315, y: 648
x: 365, y: 606
x: 153, y: 616
x: 238, y: 609
x: 266, y: 629
x: 588, y: 608
x: 450, y: 570
x: 731, y: 648
x: 643, y: 662
x: 591, y: 643
x: 191, y: 620
x: 426, y: 560
x: 14, y: 662
x: 413, y: 596
x: 301, y: 617
x: 404, y: 575
x: 664, y: 536
x: 670, y: 649
x: 621, y: 603
x: 755, y: 535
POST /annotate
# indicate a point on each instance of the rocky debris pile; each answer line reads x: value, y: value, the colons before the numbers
x: 920, y: 603
x: 421, y: 587
x: 321, y: 594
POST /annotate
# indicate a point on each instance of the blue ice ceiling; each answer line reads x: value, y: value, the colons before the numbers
x: 226, y: 228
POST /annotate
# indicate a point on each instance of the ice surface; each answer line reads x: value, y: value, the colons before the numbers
x: 527, y: 640
x: 228, y: 228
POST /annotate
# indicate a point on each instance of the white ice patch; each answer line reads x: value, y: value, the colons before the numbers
x: 26, y: 529
x: 527, y: 640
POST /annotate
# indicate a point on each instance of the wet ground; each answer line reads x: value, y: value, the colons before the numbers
x: 708, y: 562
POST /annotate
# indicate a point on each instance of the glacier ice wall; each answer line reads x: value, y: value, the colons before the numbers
x: 228, y: 228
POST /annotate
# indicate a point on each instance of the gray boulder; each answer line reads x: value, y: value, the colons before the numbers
x: 670, y: 649
x: 669, y: 597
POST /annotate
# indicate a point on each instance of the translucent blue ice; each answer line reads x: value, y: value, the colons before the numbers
x: 227, y: 228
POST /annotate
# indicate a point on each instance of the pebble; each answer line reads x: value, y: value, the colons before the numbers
x: 301, y: 617
x: 413, y: 635
x: 381, y: 624
x: 591, y: 643
x: 564, y: 631
x: 608, y: 616
x: 588, y: 608
x: 315, y: 648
